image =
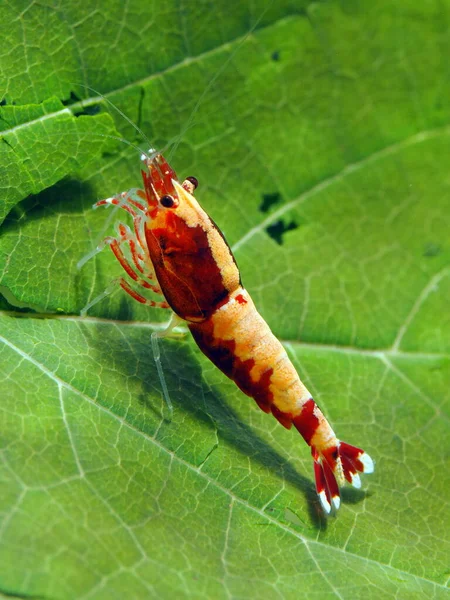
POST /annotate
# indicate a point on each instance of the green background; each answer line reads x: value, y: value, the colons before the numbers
x: 319, y: 133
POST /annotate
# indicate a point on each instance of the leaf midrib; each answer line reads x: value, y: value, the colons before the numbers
x: 154, y: 326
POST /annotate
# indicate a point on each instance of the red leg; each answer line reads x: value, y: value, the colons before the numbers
x: 137, y: 253
x: 133, y: 202
x: 115, y: 247
x: 129, y: 290
x: 129, y: 201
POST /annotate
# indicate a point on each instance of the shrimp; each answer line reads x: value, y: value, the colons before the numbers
x: 179, y: 253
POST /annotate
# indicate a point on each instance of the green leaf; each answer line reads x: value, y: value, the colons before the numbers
x: 320, y: 140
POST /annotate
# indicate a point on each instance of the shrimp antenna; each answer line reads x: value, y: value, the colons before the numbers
x: 117, y: 109
x: 213, y: 80
x: 106, y: 135
x: 120, y: 139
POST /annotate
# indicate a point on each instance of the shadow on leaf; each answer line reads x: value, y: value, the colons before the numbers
x: 206, y: 406
x: 64, y: 197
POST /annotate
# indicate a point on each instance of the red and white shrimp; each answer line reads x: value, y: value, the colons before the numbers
x: 178, y: 252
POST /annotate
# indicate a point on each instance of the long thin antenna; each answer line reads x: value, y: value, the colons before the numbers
x: 120, y: 139
x: 104, y: 135
x: 214, y: 78
x: 176, y: 140
x: 117, y: 109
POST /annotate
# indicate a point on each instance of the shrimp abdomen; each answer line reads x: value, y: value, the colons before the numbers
x: 240, y: 343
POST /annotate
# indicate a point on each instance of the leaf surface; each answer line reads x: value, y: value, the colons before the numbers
x: 319, y: 141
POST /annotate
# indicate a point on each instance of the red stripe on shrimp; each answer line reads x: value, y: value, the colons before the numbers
x: 307, y: 422
x: 223, y: 354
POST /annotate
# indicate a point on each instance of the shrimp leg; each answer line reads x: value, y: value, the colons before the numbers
x: 115, y: 246
x: 174, y: 321
x: 130, y: 201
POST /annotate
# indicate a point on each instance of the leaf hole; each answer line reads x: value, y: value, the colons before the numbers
x: 71, y: 99
x: 90, y: 111
x: 269, y: 200
x: 431, y: 249
x: 277, y: 230
x: 275, y: 55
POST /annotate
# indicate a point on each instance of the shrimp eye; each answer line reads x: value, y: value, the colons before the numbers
x: 194, y: 181
x: 167, y: 201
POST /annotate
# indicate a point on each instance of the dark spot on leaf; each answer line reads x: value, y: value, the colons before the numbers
x: 91, y: 110
x: 431, y: 249
x: 268, y: 200
x: 71, y: 99
x: 279, y: 228
x: 3, y: 102
x: 275, y: 56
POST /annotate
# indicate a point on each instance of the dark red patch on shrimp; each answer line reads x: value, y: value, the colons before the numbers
x: 185, y: 268
x: 240, y: 298
x: 284, y: 418
x: 307, y: 422
x: 222, y: 354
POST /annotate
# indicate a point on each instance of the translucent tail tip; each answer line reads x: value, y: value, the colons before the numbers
x: 336, y: 464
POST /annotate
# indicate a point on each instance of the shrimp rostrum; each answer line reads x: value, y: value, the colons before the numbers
x: 178, y: 252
